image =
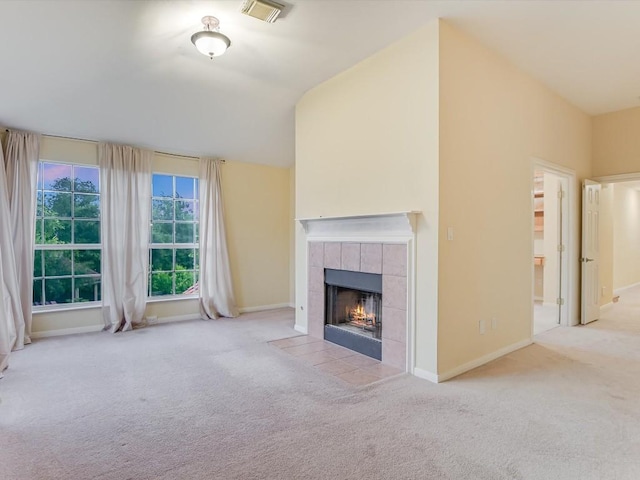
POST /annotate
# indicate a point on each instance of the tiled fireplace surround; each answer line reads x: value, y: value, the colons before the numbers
x: 388, y: 259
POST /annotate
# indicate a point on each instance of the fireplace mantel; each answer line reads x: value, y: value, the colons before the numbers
x: 387, y: 224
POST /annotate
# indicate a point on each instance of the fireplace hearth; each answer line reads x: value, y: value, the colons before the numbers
x: 353, y: 311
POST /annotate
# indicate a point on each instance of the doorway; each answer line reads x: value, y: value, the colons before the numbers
x: 550, y: 199
x: 619, y: 275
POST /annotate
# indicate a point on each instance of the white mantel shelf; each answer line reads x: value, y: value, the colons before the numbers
x: 393, y: 223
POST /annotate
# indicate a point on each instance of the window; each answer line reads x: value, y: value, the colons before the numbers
x: 67, y: 257
x: 174, y: 251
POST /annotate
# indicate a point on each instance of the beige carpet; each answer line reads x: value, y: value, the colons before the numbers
x: 213, y: 400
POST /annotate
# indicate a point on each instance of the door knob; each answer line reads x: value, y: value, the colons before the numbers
x: 584, y: 259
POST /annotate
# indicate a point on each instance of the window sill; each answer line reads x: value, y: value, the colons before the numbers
x: 171, y: 298
x: 61, y: 307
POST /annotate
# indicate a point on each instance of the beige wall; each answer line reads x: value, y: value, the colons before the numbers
x: 616, y: 143
x: 626, y: 236
x: 494, y: 120
x: 367, y: 143
x: 258, y: 219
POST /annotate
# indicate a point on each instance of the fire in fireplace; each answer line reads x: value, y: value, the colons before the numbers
x: 354, y: 310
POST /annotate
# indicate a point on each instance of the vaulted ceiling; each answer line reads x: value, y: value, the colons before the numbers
x: 126, y: 71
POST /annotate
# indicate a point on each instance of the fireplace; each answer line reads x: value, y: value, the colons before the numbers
x: 391, y: 283
x: 353, y: 311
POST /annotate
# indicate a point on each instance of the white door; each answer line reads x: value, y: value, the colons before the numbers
x: 590, y: 259
x: 561, y: 248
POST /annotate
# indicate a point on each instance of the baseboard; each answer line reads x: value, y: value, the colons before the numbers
x: 67, y: 331
x: 301, y: 329
x: 482, y: 360
x: 606, y: 307
x: 262, y: 308
x: 425, y: 375
x: 627, y: 287
x: 158, y: 321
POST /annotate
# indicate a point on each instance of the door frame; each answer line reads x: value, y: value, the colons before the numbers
x: 618, y: 178
x: 570, y: 226
x: 624, y: 177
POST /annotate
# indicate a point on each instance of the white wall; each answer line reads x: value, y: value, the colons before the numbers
x: 606, y: 244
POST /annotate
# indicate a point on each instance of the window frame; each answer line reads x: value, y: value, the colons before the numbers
x: 72, y: 247
x: 175, y: 245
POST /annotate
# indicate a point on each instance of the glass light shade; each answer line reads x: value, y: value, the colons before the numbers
x: 211, y: 44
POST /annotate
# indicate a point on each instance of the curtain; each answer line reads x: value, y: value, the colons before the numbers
x: 11, y: 317
x: 215, y: 289
x: 22, y: 154
x: 125, y: 193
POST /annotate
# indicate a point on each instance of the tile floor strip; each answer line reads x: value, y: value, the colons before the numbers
x: 347, y: 365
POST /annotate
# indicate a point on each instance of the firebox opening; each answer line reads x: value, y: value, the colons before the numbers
x: 355, y: 310
x: 353, y: 315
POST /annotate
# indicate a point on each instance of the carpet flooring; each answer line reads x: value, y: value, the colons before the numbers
x: 214, y: 400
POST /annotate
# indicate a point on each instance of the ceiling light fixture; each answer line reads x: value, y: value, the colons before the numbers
x: 210, y: 41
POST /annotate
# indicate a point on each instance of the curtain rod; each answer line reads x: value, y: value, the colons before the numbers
x: 93, y: 141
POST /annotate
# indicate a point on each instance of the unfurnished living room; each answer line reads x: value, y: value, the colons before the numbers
x: 319, y: 239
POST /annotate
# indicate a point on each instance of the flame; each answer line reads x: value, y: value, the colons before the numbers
x: 359, y: 316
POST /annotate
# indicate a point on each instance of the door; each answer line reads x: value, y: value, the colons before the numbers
x: 590, y: 259
x: 561, y: 246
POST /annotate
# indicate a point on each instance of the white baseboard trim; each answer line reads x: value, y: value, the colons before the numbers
x: 606, y: 307
x: 158, y: 321
x: 627, y: 287
x: 67, y: 331
x: 301, y: 329
x: 478, y: 361
x: 425, y: 375
x: 262, y: 308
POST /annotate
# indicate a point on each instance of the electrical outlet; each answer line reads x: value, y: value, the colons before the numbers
x: 604, y: 290
x: 494, y: 323
x: 152, y: 319
x: 482, y: 327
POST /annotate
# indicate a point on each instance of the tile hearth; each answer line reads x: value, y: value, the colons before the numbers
x: 347, y: 365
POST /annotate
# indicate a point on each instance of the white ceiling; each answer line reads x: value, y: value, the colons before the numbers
x: 126, y: 71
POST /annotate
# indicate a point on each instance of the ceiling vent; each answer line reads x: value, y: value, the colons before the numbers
x: 264, y: 10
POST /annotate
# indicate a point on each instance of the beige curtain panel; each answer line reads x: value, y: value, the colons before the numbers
x: 125, y: 188
x: 22, y: 154
x: 11, y: 317
x: 215, y: 287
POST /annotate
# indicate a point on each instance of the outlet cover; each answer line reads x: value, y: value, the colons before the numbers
x: 482, y: 326
x: 494, y: 323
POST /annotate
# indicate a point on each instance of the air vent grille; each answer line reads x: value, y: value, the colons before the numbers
x: 262, y: 10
